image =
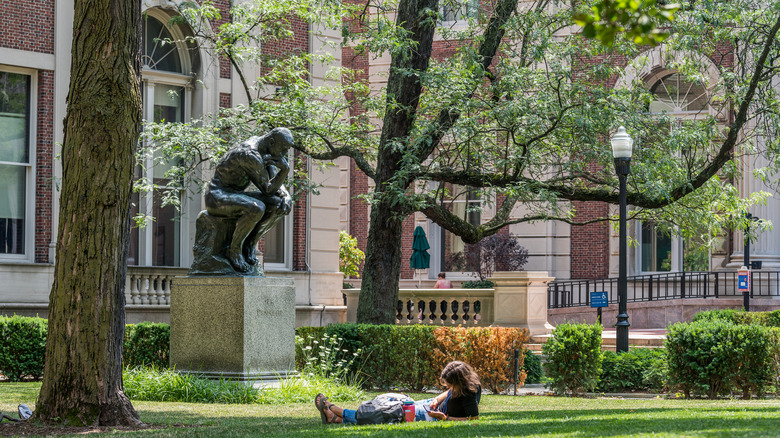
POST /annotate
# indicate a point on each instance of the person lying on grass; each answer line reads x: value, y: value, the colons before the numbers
x: 460, y: 402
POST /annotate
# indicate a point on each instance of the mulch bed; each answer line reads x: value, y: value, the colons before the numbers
x: 25, y: 428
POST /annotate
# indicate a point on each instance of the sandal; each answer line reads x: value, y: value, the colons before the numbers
x: 321, y: 402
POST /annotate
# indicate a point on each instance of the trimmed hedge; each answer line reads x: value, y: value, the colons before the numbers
x: 22, y: 347
x: 715, y: 357
x: 766, y: 319
x: 147, y: 344
x: 573, y: 358
x: 412, y: 356
x: 638, y: 369
x: 532, y: 365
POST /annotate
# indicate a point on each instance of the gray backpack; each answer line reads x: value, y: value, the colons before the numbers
x: 383, y: 409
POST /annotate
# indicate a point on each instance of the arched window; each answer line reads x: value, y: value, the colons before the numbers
x: 658, y: 251
x: 675, y: 94
x: 169, y: 64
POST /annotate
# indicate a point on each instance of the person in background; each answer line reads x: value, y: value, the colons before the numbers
x: 442, y: 282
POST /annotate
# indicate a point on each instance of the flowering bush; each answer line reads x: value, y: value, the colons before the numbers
x: 325, y: 358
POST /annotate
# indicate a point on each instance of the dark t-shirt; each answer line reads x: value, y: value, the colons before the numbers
x: 467, y: 405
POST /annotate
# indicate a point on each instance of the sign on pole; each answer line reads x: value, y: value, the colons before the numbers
x: 743, y: 279
x: 599, y: 299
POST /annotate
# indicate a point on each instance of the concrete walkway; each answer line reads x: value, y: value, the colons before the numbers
x: 648, y: 338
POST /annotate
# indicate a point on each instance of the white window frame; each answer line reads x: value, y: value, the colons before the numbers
x: 151, y: 78
x: 288, y: 222
x: 676, y: 251
x: 146, y: 200
x: 459, y: 23
x: 31, y: 188
x: 435, y: 241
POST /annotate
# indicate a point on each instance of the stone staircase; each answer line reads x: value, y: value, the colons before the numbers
x: 640, y: 338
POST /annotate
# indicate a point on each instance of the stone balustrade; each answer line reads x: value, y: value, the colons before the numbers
x: 467, y: 307
x: 519, y: 299
x: 150, y: 285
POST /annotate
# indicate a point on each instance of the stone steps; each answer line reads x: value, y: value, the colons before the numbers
x: 636, y: 338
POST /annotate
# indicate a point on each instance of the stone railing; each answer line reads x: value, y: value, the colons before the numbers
x: 150, y: 285
x: 467, y: 307
x: 519, y: 299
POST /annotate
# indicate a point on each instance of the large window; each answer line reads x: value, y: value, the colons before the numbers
x: 658, y: 250
x: 167, y: 91
x: 459, y: 10
x: 451, y: 254
x: 674, y: 94
x: 16, y: 157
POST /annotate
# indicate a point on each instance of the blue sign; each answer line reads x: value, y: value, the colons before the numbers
x: 743, y: 281
x: 599, y: 299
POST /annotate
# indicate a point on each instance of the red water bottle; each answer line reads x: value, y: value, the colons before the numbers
x: 409, y: 410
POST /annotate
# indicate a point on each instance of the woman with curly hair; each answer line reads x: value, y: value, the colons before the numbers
x: 460, y: 402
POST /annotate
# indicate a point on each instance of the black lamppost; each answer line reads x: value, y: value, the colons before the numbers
x: 621, y: 151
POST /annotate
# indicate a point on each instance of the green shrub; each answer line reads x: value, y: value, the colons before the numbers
x: 752, y: 348
x: 633, y: 370
x: 656, y: 376
x: 350, y: 256
x: 573, y: 358
x: 532, y: 365
x: 729, y: 315
x: 773, y: 319
x: 147, y: 344
x: 22, y: 347
x: 696, y: 363
x: 478, y: 284
x: 766, y: 319
x: 774, y: 342
x: 391, y: 355
x: 715, y: 357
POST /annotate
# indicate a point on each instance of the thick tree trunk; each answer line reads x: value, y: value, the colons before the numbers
x: 82, y: 380
x: 379, y: 288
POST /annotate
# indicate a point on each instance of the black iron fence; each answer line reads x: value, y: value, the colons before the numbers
x: 575, y: 293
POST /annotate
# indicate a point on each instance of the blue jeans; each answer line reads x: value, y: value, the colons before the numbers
x: 349, y: 416
x: 420, y: 414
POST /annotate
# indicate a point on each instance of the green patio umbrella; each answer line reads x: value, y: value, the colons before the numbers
x: 420, y: 258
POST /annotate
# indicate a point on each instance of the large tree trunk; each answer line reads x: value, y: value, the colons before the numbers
x: 379, y: 288
x: 82, y: 380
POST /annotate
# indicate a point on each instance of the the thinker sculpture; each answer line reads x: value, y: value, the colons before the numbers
x: 228, y: 231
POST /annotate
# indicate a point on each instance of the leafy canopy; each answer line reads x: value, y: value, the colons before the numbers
x: 519, y: 108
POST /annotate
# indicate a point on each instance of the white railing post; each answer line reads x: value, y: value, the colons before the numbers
x: 134, y: 293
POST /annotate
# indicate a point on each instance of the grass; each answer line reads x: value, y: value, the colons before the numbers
x: 500, y: 416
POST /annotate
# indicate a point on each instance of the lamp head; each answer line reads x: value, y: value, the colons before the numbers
x: 622, y: 144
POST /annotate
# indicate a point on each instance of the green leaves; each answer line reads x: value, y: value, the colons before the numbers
x: 639, y: 21
x: 350, y: 256
x: 573, y: 358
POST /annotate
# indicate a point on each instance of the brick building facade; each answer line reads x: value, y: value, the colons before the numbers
x: 35, y: 64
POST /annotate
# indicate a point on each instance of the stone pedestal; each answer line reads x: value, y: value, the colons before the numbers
x: 240, y: 328
x: 521, y: 300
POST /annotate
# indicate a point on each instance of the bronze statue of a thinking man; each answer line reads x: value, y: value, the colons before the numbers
x: 259, y: 161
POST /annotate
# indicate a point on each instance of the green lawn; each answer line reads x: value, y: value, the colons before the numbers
x: 500, y: 416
